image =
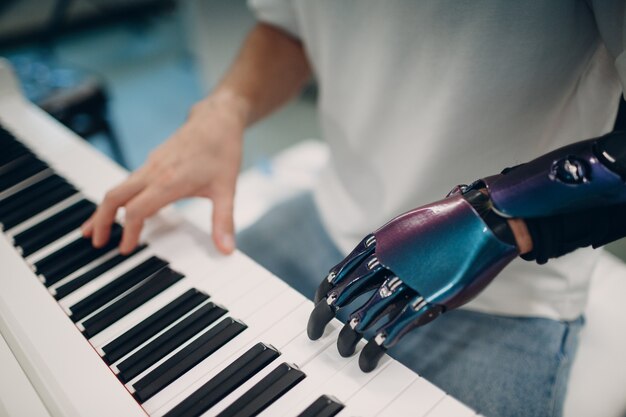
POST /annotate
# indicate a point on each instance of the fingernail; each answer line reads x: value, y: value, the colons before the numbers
x: 228, y: 242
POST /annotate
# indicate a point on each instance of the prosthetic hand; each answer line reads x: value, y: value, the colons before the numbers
x: 438, y: 257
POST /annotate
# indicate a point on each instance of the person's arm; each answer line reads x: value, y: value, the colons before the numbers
x: 203, y: 157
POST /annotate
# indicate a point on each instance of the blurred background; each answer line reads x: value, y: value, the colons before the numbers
x: 124, y: 73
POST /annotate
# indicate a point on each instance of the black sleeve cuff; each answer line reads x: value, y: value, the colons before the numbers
x: 555, y: 236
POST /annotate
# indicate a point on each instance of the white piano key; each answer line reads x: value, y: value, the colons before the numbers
x: 25, y: 183
x: 137, y: 316
x: 232, y: 277
x: 158, y: 334
x: 37, y: 218
x: 54, y: 246
x: 351, y: 379
x: 380, y: 391
x: 80, y: 271
x: 449, y: 407
x: 228, y: 295
x: 170, y: 239
x: 129, y: 384
x: 264, y: 318
x: 245, y: 314
x: 104, y: 279
x: 170, y: 293
x: 319, y: 371
x: 299, y: 352
x: 246, y: 303
x: 264, y: 292
x: 417, y: 400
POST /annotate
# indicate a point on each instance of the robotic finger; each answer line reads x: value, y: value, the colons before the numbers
x: 387, y: 301
x: 343, y: 268
x: 363, y: 277
x: 417, y: 312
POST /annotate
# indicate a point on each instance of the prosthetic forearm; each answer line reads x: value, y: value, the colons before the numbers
x: 573, y: 178
x: 557, y: 235
x: 440, y: 256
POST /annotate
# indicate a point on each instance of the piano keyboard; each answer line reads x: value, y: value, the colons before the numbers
x: 172, y: 329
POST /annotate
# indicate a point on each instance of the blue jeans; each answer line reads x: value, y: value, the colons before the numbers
x: 500, y: 366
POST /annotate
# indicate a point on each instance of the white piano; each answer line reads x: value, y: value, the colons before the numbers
x: 172, y: 330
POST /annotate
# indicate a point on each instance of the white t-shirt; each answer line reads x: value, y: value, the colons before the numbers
x: 418, y: 96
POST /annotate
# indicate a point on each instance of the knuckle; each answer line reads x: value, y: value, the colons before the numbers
x: 154, y: 159
x: 111, y: 197
x: 167, y: 178
x: 133, y: 214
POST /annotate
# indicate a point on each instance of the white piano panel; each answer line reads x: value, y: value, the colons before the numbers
x: 17, y: 395
x: 51, y: 351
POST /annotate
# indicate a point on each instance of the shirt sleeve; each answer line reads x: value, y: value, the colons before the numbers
x: 279, y: 13
x: 611, y: 20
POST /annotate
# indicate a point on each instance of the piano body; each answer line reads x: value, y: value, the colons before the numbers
x: 173, y: 329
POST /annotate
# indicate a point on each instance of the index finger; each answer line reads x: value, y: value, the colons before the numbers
x: 143, y: 205
x: 104, y: 216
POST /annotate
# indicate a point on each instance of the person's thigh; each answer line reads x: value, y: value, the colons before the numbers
x: 500, y: 366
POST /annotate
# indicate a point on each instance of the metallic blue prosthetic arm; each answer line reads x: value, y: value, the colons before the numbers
x: 438, y: 257
x: 573, y: 178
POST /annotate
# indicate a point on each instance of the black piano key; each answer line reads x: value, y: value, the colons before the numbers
x: 6, y: 137
x: 38, y: 205
x: 93, y: 273
x: 188, y: 357
x: 265, y: 392
x: 14, y: 163
x: 71, y: 250
x: 149, y: 289
x: 22, y: 163
x: 143, y: 331
x: 75, y: 255
x: 225, y: 382
x: 117, y: 287
x: 31, y: 193
x: 54, y: 227
x: 8, y: 144
x: 25, y: 169
x: 168, y: 341
x: 324, y: 406
x: 11, y: 152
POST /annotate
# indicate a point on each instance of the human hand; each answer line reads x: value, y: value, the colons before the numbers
x: 422, y: 263
x: 201, y: 159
